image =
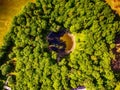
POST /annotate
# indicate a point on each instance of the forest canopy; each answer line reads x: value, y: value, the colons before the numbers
x: 25, y: 56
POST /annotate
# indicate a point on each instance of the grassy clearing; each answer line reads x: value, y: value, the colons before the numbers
x: 8, y: 9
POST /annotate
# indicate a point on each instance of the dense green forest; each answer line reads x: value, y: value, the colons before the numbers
x: 30, y: 65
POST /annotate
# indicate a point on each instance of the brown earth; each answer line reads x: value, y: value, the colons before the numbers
x: 8, y: 9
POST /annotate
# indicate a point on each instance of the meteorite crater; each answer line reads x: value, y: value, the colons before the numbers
x: 115, y: 64
x: 61, y: 42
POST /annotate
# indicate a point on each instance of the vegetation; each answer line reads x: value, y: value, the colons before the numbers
x: 32, y: 66
x: 8, y: 9
x: 115, y: 5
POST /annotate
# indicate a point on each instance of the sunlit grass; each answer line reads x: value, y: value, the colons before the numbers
x: 8, y: 9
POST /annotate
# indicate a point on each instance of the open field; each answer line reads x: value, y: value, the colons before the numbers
x: 8, y: 9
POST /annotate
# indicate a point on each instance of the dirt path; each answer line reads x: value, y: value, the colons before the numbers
x: 8, y: 9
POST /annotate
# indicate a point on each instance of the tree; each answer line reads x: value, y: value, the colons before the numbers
x: 91, y: 22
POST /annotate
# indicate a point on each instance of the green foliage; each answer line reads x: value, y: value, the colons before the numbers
x: 5, y: 69
x: 117, y: 86
x: 94, y: 26
x: 1, y: 84
x: 12, y: 80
